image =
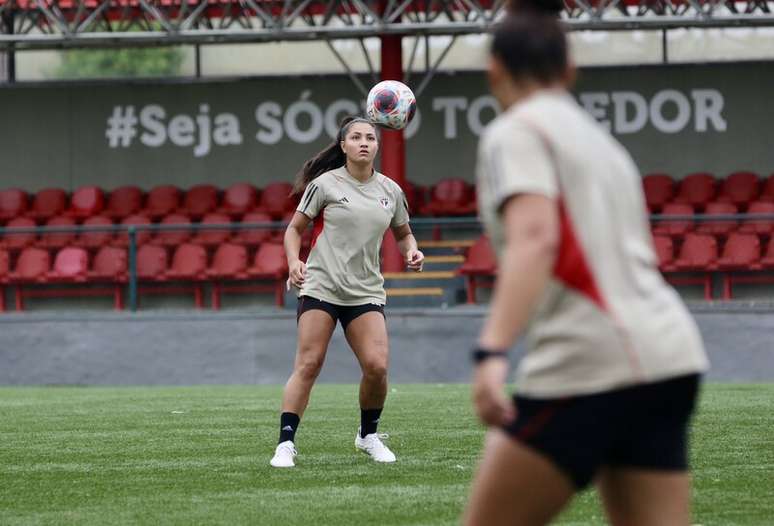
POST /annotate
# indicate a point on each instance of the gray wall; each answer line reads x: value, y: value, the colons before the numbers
x: 678, y: 119
x: 246, y: 348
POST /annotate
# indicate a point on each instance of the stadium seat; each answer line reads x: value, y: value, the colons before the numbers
x: 110, y: 266
x: 741, y: 255
x: 56, y: 240
x: 152, y: 263
x: 674, y: 227
x: 71, y: 264
x: 199, y: 200
x: 172, y: 237
x: 47, y: 203
x: 276, y: 200
x: 15, y: 242
x: 718, y: 227
x: 697, y: 190
x: 759, y: 226
x: 271, y: 264
x: 698, y: 254
x: 238, y: 199
x: 5, y: 271
x: 123, y: 202
x: 212, y: 238
x: 13, y: 203
x: 479, y: 268
x: 85, y: 202
x: 665, y: 253
x: 142, y: 236
x: 228, y: 264
x: 96, y: 239
x: 254, y: 236
x: 451, y: 197
x: 32, y: 266
x: 767, y: 261
x: 659, y: 190
x: 162, y: 200
x: 740, y: 188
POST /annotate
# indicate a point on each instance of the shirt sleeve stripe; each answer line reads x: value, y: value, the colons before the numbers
x: 308, y: 199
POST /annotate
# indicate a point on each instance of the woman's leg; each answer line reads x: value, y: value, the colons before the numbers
x: 515, y: 486
x: 367, y: 336
x: 639, y: 497
x: 315, y: 328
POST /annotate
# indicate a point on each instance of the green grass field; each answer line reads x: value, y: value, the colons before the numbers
x: 200, y: 455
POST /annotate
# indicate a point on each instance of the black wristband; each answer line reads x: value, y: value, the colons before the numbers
x: 479, y: 354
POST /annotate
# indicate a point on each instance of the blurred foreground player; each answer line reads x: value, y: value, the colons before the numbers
x: 352, y: 206
x: 610, y: 378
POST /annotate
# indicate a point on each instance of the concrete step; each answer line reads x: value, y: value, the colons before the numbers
x: 440, y: 278
x: 420, y: 297
x: 447, y: 263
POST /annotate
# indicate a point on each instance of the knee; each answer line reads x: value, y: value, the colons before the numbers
x: 309, y: 368
x: 375, y: 369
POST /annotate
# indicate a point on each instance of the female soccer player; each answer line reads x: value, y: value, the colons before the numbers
x: 613, y: 362
x: 352, y: 206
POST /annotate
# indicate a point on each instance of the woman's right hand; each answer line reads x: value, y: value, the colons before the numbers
x: 297, y: 273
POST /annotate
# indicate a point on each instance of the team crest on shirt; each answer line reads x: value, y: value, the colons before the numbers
x: 384, y: 202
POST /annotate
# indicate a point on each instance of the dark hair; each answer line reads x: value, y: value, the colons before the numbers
x: 530, y: 41
x: 328, y: 159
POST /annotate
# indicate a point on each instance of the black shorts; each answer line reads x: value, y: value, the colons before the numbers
x: 343, y: 313
x: 643, y: 426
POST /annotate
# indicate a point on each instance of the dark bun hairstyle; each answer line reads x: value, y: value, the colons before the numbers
x: 531, y: 43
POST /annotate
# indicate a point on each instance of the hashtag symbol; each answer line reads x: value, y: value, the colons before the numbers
x: 121, y: 127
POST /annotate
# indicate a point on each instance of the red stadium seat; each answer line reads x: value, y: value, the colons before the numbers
x: 32, y: 266
x: 229, y: 264
x: 58, y: 239
x: 13, y: 203
x: 86, y: 201
x: 741, y: 260
x: 698, y: 254
x: 152, y: 263
x: 270, y: 264
x: 199, y: 200
x: 659, y: 190
x: 189, y: 263
x: 740, y: 188
x: 697, y: 190
x: 767, y: 261
x: 451, y: 197
x: 123, y: 202
x: 674, y: 227
x: 276, y: 200
x: 239, y: 199
x: 211, y: 238
x: 142, y: 236
x: 162, y: 200
x: 99, y: 238
x: 48, y: 203
x: 759, y: 226
x: 718, y: 227
x: 173, y: 237
x: 254, y: 236
x: 480, y: 263
x: 665, y: 252
x: 5, y: 271
x: 110, y: 266
x: 70, y: 265
x: 19, y: 241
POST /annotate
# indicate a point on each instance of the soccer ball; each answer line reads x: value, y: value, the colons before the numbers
x: 391, y: 104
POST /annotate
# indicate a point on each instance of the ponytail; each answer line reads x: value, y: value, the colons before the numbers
x: 328, y: 159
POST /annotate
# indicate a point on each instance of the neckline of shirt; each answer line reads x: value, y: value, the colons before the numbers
x: 343, y: 170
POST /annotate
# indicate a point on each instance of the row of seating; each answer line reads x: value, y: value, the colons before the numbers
x: 717, y: 225
x: 740, y: 258
x: 189, y: 269
x: 699, y: 189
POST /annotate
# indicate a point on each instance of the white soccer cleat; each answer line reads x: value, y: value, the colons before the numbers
x: 372, y: 445
x: 284, y: 455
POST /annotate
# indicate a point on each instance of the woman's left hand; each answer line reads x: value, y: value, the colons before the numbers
x: 414, y: 260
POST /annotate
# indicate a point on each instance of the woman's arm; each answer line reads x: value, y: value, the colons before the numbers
x: 296, y: 267
x: 531, y: 225
x: 407, y: 245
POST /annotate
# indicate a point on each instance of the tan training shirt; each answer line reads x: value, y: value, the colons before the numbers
x: 607, y: 318
x: 343, y: 267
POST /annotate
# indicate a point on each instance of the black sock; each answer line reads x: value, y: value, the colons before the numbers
x: 288, y: 425
x: 369, y: 419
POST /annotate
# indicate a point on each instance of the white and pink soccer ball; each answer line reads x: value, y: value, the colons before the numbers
x: 391, y: 104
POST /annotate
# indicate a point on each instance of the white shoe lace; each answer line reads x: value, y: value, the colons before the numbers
x: 289, y: 449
